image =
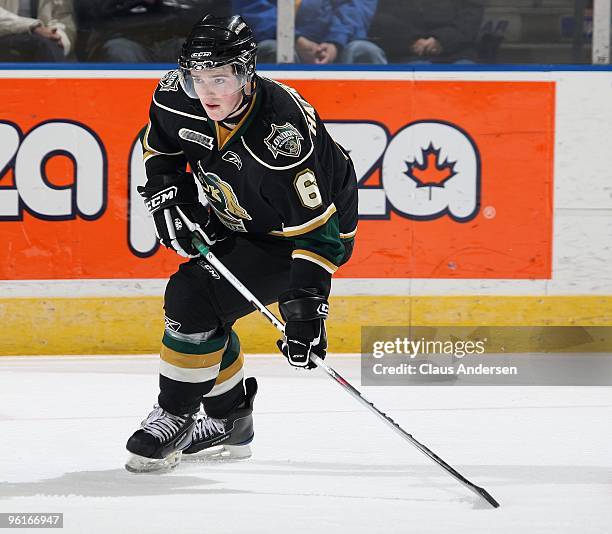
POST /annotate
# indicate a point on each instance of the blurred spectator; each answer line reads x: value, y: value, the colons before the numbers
x: 324, y: 29
x: 139, y: 31
x: 423, y: 31
x: 36, y: 30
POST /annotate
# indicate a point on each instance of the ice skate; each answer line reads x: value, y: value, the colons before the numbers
x: 157, y: 445
x: 224, y: 439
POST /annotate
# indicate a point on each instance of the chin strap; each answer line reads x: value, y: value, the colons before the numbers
x: 241, y: 108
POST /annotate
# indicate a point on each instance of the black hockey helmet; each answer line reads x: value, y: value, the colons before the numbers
x: 216, y: 42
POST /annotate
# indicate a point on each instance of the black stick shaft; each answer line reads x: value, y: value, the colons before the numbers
x: 244, y: 291
x: 481, y: 492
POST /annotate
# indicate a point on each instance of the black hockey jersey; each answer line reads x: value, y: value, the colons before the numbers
x: 278, y: 172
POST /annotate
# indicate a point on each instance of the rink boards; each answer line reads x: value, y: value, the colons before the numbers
x: 484, y: 199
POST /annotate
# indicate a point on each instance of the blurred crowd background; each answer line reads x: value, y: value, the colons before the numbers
x: 326, y: 31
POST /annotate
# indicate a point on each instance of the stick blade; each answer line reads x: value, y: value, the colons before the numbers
x: 486, y: 496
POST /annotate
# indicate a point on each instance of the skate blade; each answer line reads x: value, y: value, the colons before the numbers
x: 221, y: 453
x: 142, y: 464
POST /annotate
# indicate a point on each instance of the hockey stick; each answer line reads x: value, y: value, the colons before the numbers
x: 227, y: 274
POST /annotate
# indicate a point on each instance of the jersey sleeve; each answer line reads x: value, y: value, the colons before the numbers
x: 309, y: 218
x: 316, y: 256
x: 162, y: 153
x: 305, y: 170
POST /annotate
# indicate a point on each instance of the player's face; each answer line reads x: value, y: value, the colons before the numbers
x: 218, y: 90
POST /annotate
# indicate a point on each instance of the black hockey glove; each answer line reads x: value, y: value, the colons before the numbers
x: 304, y: 311
x: 172, y: 199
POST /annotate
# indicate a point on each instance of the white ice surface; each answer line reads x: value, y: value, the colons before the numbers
x: 321, y: 464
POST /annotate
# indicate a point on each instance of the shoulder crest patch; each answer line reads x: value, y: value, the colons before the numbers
x: 170, y: 81
x: 284, y: 140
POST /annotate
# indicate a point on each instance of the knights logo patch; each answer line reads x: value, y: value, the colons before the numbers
x: 170, y: 81
x: 284, y: 140
x: 223, y: 200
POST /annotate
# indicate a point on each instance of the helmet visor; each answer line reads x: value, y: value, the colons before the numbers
x: 201, y: 82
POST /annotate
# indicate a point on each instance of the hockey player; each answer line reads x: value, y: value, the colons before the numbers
x: 282, y: 217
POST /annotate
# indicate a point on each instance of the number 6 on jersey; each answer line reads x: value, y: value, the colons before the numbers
x: 307, y: 189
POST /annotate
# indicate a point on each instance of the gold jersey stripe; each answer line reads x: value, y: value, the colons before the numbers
x: 315, y: 258
x: 230, y: 371
x: 145, y: 139
x: 148, y: 155
x: 350, y: 235
x: 313, y: 224
x: 191, y: 361
x: 147, y: 146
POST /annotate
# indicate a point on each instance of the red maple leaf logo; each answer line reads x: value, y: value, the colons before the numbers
x: 431, y: 173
